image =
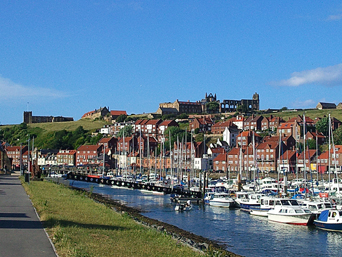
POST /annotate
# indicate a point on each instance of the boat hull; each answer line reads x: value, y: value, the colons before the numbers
x: 301, y: 220
x: 328, y: 226
x: 249, y: 206
x: 226, y: 204
x: 259, y: 213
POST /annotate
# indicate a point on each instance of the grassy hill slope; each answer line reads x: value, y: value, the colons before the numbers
x: 69, y: 125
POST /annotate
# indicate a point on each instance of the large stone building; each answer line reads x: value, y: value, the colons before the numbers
x: 198, y: 107
x: 179, y: 107
x: 97, y: 113
x: 28, y: 118
x: 232, y: 105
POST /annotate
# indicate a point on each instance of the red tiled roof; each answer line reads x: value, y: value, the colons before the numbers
x: 88, y: 148
x: 227, y: 123
x: 308, y: 153
x: 118, y: 113
x: 221, y: 157
x: 270, y: 145
x: 287, y: 155
x: 234, y: 151
x: 286, y: 125
x: 105, y: 140
x: 217, y: 150
x: 13, y: 148
x: 88, y: 114
x: 153, y: 122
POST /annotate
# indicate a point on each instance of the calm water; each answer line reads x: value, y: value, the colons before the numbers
x: 240, y: 232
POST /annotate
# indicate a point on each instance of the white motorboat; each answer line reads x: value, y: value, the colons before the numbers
x: 266, y: 203
x: 330, y: 220
x: 222, y: 200
x: 241, y: 197
x: 251, y: 202
x: 289, y: 214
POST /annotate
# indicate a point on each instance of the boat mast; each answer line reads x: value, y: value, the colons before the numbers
x: 279, y: 154
x: 140, y: 149
x: 171, y: 161
x: 335, y: 167
x: 296, y: 147
x: 304, y: 149
x: 329, y: 152
x: 104, y: 152
x: 254, y: 160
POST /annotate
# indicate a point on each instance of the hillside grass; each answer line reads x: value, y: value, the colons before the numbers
x: 87, y: 124
x: 312, y: 113
x: 78, y: 226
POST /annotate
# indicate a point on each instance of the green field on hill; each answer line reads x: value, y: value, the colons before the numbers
x: 87, y: 124
x: 312, y: 113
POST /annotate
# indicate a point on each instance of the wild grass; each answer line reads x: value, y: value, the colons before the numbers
x: 69, y: 125
x: 312, y: 113
x: 78, y: 226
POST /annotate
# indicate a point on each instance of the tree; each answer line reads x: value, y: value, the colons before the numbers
x: 242, y: 108
x: 126, y: 130
x: 121, y: 118
x: 311, y: 143
x: 199, y: 137
x: 176, y: 132
x: 213, y: 107
x: 338, y: 136
x: 183, y: 116
x: 323, y: 126
x: 94, y: 140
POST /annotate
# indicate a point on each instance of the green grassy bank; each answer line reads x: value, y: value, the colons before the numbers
x: 78, y: 226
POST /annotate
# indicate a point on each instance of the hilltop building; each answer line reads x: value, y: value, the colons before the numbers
x: 97, y: 113
x: 28, y: 118
x: 179, y: 107
x: 321, y: 106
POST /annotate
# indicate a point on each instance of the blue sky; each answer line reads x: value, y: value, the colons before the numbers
x: 65, y: 58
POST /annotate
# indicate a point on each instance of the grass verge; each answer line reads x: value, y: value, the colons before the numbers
x: 78, y: 226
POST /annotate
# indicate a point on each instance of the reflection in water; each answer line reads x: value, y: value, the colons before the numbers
x: 240, y: 232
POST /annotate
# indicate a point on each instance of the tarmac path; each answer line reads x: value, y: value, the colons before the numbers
x: 21, y: 232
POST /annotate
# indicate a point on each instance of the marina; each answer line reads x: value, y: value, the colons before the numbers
x: 238, y: 231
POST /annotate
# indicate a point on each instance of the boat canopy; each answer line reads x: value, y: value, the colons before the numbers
x: 324, y: 215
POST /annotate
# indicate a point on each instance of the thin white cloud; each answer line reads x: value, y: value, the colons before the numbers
x: 328, y: 76
x: 12, y: 90
x: 304, y: 104
x: 336, y: 17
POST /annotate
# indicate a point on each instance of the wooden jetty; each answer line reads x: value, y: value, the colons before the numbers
x: 134, y: 185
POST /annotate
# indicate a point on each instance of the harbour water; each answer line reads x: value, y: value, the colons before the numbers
x: 238, y: 231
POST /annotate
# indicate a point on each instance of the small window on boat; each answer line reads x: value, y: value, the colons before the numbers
x: 312, y: 208
x: 285, y: 202
x: 327, y: 205
x: 294, y: 202
x: 299, y: 211
x: 307, y: 211
x: 271, y: 202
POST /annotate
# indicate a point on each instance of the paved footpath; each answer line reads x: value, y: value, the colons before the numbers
x: 21, y: 232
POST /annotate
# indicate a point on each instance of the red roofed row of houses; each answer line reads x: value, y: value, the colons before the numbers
x: 270, y: 155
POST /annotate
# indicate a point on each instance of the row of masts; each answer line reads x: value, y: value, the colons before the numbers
x: 179, y: 160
